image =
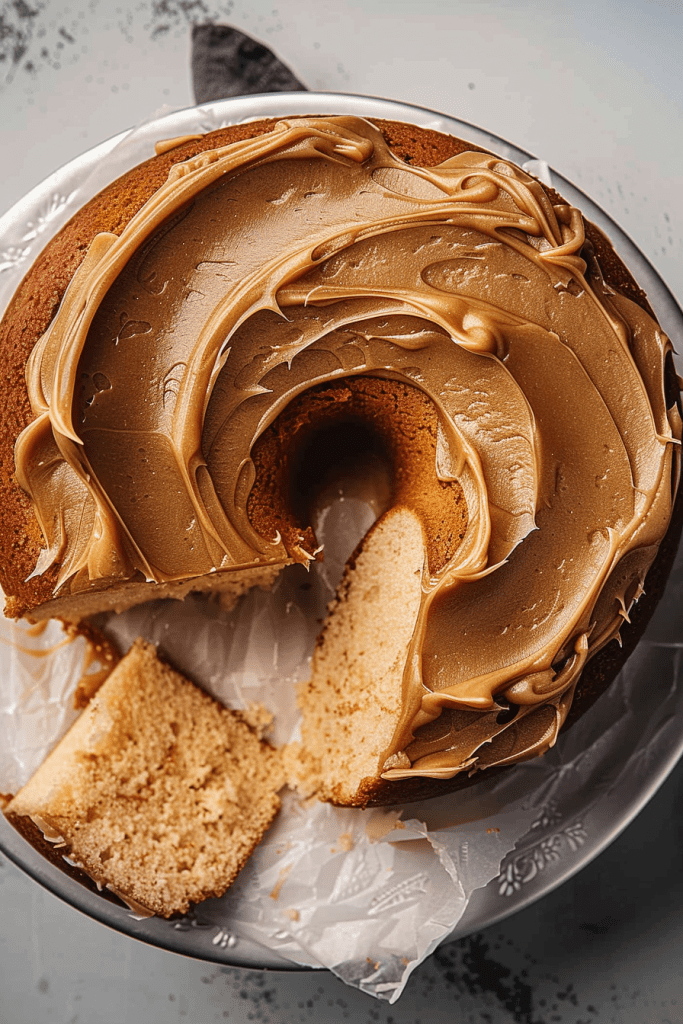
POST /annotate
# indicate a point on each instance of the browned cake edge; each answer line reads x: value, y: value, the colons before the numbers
x: 37, y: 299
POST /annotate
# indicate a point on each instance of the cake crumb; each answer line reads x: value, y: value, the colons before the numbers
x: 346, y: 841
x: 259, y: 718
x: 99, y: 651
x: 275, y: 892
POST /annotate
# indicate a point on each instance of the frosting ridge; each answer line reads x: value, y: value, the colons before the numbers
x: 310, y: 254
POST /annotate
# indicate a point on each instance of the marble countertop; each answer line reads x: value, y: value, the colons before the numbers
x: 595, y: 90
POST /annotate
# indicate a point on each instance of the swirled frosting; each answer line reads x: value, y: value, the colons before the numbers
x: 312, y: 253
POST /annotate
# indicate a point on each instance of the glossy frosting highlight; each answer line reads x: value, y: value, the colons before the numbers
x: 311, y: 253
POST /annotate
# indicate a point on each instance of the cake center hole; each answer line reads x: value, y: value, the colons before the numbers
x: 341, y: 484
x: 342, y: 460
x: 360, y: 439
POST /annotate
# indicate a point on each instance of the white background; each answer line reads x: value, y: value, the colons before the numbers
x: 594, y: 88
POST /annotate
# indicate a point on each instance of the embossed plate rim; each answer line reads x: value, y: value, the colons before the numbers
x: 615, y: 810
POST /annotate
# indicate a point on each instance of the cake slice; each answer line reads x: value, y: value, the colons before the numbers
x: 157, y: 791
x: 353, y: 702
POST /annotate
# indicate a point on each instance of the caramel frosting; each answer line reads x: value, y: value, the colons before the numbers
x: 312, y: 253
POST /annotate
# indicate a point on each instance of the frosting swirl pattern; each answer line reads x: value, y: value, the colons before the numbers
x: 312, y: 253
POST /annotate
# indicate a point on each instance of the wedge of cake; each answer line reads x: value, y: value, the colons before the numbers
x: 157, y: 792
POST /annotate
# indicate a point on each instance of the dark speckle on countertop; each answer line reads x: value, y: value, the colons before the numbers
x: 17, y: 24
x: 166, y: 15
x: 35, y: 35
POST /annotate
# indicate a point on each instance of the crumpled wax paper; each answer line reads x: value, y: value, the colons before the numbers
x: 368, y: 894
x: 340, y: 888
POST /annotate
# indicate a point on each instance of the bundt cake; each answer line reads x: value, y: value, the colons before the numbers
x: 201, y: 344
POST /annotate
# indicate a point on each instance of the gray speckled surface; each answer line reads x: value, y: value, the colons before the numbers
x: 602, y: 949
x: 564, y: 80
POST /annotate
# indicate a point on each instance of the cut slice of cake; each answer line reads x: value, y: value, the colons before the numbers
x: 353, y: 702
x: 157, y: 791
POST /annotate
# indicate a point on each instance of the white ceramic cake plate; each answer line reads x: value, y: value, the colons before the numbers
x: 627, y: 765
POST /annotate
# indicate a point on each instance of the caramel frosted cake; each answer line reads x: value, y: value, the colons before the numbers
x: 204, y: 340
